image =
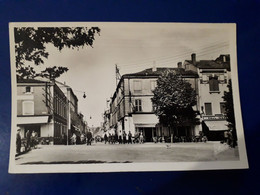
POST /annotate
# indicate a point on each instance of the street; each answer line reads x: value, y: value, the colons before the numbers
x: 148, y: 152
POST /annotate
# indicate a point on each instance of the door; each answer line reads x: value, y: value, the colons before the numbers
x: 148, y: 134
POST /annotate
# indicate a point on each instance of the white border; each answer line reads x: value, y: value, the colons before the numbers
x: 242, y: 163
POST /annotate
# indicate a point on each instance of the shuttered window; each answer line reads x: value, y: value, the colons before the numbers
x: 153, y: 85
x: 213, y: 84
x: 137, y: 86
x: 208, y: 109
x: 28, y: 108
x: 222, y: 108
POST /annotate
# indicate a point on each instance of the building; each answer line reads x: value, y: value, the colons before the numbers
x: 213, y: 80
x: 131, y: 107
x: 49, y: 108
x: 41, y: 107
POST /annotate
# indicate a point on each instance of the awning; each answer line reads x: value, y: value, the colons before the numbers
x: 145, y: 125
x: 27, y: 120
x: 217, y: 125
x: 145, y: 119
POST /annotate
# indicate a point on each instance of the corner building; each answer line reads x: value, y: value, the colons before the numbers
x: 131, y: 107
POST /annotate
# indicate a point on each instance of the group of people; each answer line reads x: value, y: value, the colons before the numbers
x: 31, y: 140
x: 82, y: 139
x: 123, y: 138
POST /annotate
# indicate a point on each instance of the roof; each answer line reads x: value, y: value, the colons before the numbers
x: 213, y: 64
x: 159, y: 71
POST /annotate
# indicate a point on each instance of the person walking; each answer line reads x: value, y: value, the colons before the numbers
x: 89, y: 138
x: 226, y: 137
x: 141, y: 138
x: 105, y: 138
x: 130, y: 137
x: 28, y: 140
x: 73, y: 139
x: 124, y: 137
x: 33, y: 140
x: 18, y: 141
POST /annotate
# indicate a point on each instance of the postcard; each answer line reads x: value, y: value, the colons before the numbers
x: 124, y: 97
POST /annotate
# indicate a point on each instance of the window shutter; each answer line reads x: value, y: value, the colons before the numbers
x: 208, y: 108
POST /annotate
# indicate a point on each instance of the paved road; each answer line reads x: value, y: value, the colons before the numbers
x: 148, y: 152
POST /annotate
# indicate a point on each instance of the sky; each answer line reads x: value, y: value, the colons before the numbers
x: 133, y: 47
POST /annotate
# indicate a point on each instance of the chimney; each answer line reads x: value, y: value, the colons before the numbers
x: 179, y: 64
x: 154, y: 66
x: 193, y: 58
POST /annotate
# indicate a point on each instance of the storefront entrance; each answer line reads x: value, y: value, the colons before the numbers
x: 31, y: 128
x: 147, y: 132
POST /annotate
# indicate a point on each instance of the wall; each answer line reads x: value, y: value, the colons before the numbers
x: 36, y: 95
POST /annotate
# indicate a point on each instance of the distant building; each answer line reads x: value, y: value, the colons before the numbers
x: 131, y: 105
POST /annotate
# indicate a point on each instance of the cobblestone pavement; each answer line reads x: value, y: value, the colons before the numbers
x: 148, y: 152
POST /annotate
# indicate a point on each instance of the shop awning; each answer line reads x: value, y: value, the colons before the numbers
x: 145, y: 119
x: 27, y: 120
x: 145, y: 125
x: 217, y: 125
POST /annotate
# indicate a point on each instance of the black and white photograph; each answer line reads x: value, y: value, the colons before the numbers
x: 120, y: 97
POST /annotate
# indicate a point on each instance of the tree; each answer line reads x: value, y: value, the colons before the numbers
x: 229, y: 109
x: 173, y: 100
x: 30, y: 46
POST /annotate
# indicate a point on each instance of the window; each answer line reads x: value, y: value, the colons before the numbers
x: 28, y: 89
x: 28, y: 108
x: 213, y: 84
x: 137, y: 86
x: 208, y: 109
x: 138, y: 105
x: 153, y: 85
x: 222, y: 108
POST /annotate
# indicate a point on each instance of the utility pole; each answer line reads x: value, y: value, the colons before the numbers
x: 118, y: 76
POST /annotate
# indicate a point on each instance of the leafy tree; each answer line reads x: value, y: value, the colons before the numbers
x: 229, y: 109
x: 173, y: 100
x: 30, y: 45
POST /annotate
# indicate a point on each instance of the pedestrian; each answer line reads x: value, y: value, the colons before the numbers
x: 226, y: 137
x: 130, y: 137
x: 18, y: 141
x: 33, y: 141
x: 89, y: 138
x: 28, y: 140
x: 82, y: 138
x: 73, y: 139
x: 120, y: 137
x: 105, y: 138
x: 124, y: 137
x: 141, y: 137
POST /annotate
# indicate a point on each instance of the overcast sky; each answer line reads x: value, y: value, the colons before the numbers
x: 133, y: 47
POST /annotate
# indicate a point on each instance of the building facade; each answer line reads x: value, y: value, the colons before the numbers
x: 43, y: 107
x: 131, y: 106
x: 213, y: 80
